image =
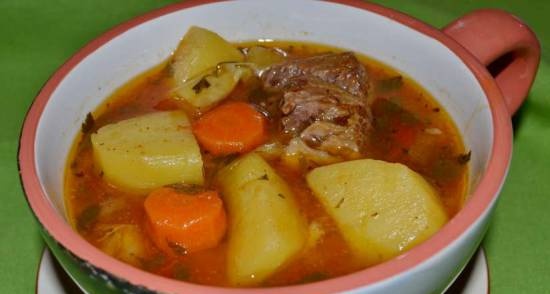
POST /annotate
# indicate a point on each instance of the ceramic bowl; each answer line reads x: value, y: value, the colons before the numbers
x: 450, y: 63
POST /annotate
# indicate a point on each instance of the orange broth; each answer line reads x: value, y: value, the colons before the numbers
x: 410, y: 127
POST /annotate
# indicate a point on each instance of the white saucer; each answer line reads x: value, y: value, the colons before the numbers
x: 474, y: 279
x: 52, y: 279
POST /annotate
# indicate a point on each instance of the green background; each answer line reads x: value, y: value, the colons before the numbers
x: 36, y: 37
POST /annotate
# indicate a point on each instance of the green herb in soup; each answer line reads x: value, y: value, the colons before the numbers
x: 264, y: 164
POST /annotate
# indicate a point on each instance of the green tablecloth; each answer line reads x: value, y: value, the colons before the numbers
x: 36, y: 37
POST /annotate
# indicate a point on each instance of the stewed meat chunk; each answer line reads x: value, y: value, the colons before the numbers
x: 324, y: 102
x: 342, y: 70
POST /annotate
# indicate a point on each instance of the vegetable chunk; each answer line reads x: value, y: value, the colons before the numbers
x: 381, y: 208
x: 264, y: 57
x: 200, y: 50
x: 206, y: 90
x: 200, y: 68
x: 183, y: 223
x: 234, y: 127
x: 266, y: 228
x: 149, y: 151
x: 125, y: 242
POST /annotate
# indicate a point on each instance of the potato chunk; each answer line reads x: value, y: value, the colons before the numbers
x: 264, y: 57
x: 149, y: 151
x: 381, y: 208
x: 125, y: 242
x: 266, y: 227
x: 199, y: 79
x: 213, y: 86
x: 200, y: 50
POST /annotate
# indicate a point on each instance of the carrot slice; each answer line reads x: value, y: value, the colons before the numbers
x: 181, y: 223
x: 234, y: 127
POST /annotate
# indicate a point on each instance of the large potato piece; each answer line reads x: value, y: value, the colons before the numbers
x: 201, y: 50
x: 381, y: 208
x: 206, y: 90
x: 266, y: 227
x: 125, y: 242
x: 198, y: 78
x: 148, y: 151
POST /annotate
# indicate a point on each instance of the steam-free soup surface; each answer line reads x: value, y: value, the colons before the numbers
x: 405, y: 125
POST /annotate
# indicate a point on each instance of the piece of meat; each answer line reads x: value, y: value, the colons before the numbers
x: 344, y: 141
x: 323, y: 104
x: 326, y: 118
x: 296, y: 151
x: 316, y: 101
x: 342, y: 70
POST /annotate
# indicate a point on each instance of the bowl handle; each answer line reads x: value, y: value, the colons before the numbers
x: 505, y: 45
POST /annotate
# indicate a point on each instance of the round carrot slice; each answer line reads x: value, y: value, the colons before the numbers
x: 181, y: 223
x: 234, y: 127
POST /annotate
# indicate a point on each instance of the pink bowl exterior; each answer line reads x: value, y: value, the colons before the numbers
x: 474, y: 210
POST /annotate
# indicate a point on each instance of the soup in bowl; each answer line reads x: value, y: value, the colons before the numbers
x: 304, y: 154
